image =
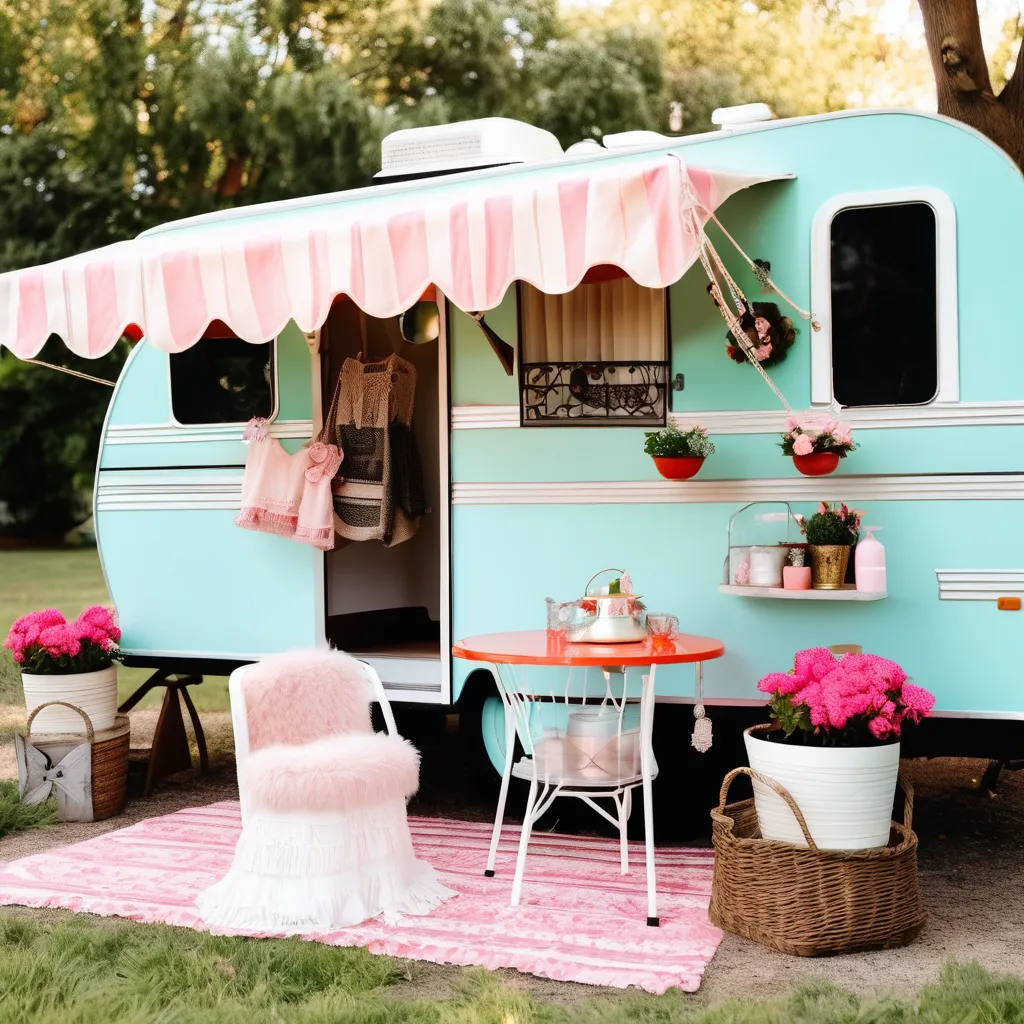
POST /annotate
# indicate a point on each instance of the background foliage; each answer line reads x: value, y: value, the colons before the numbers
x: 116, y: 115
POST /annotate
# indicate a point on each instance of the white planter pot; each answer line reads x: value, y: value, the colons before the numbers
x: 844, y: 793
x: 94, y: 692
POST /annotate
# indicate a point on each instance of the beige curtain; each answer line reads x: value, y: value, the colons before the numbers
x: 613, y: 321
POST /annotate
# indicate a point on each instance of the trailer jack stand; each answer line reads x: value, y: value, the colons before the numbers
x: 992, y: 772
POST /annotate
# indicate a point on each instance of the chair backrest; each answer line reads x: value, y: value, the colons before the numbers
x: 297, y: 697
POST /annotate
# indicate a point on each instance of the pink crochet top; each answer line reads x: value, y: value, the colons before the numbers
x: 288, y: 494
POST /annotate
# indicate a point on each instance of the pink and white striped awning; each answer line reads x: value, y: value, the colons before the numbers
x: 381, y: 247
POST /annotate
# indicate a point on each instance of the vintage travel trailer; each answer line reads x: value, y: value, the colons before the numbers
x: 900, y: 230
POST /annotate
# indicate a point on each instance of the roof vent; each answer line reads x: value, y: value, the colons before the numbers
x: 464, y: 146
x: 745, y: 113
x: 627, y: 140
x: 583, y: 147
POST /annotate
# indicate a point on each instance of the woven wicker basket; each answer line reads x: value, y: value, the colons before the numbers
x: 806, y: 901
x: 109, y: 758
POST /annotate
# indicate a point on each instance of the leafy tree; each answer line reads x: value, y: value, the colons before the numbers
x: 52, y: 424
x: 962, y: 79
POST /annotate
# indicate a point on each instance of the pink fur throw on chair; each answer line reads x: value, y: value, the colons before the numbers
x: 300, y: 696
x: 345, y: 773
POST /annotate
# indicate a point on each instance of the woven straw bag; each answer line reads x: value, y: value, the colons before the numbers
x: 806, y: 901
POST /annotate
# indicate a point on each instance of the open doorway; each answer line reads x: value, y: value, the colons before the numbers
x: 390, y: 604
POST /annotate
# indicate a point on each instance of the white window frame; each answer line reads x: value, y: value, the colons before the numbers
x: 947, y: 324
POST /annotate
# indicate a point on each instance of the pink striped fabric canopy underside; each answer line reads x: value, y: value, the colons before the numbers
x: 381, y: 248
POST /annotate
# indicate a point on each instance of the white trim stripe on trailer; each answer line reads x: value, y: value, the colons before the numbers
x: 939, y: 487
x: 768, y: 421
x: 150, y: 490
x: 171, y: 433
x: 717, y: 421
x: 979, y: 584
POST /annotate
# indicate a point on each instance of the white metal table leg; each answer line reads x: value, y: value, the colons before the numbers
x: 524, y: 842
x: 510, y: 745
x: 646, y: 761
x: 622, y: 803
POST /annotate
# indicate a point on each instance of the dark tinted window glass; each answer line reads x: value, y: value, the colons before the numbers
x: 884, y: 342
x: 222, y: 380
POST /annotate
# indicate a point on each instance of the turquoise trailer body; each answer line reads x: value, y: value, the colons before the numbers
x: 536, y: 510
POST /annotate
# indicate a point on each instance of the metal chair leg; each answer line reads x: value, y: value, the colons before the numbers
x: 524, y: 842
x: 499, y: 817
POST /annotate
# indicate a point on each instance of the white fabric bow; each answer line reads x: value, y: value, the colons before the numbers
x: 70, y: 779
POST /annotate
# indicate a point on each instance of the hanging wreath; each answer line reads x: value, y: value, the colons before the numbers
x: 771, y: 335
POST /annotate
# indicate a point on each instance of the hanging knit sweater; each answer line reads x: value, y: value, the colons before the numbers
x: 381, y: 497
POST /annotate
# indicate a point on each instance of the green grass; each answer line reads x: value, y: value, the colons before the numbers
x: 71, y: 579
x: 88, y: 970
x: 16, y: 817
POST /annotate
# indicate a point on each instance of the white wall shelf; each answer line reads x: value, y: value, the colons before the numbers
x: 846, y: 593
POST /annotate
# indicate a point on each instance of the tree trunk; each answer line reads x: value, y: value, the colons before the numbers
x: 962, y: 81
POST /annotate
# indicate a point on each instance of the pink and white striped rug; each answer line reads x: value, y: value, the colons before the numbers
x: 579, y: 920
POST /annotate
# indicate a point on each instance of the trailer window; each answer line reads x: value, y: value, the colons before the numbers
x: 222, y: 380
x: 595, y: 355
x: 884, y: 289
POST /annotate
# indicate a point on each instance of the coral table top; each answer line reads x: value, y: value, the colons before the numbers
x: 538, y: 647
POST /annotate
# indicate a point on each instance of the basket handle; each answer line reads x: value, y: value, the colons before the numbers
x: 904, y: 783
x: 586, y: 589
x: 63, y: 703
x: 781, y: 790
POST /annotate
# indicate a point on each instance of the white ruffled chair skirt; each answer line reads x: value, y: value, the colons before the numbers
x: 302, y: 872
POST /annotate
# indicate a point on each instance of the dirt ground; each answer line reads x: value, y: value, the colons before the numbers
x: 971, y: 856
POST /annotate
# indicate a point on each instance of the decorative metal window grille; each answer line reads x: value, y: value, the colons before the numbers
x: 605, y: 393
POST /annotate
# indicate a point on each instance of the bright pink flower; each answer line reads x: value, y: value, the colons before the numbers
x: 19, y: 657
x: 30, y: 626
x: 861, y: 695
x: 880, y: 727
x: 803, y: 445
x: 780, y: 682
x: 814, y: 664
x: 917, y: 701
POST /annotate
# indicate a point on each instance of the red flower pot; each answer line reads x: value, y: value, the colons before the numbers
x: 817, y: 463
x: 678, y: 467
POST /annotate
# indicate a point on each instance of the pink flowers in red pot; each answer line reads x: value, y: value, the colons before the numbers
x: 45, y: 643
x: 844, y: 701
x: 816, y: 443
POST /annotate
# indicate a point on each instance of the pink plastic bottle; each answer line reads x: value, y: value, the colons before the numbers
x: 869, y: 562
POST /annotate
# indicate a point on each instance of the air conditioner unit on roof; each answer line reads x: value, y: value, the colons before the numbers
x: 463, y: 146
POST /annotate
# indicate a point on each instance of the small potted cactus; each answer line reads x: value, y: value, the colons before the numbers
x: 677, y: 454
x: 831, y: 534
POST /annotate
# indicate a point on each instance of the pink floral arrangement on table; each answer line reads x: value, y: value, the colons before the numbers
x: 812, y: 435
x: 45, y: 643
x: 852, y: 700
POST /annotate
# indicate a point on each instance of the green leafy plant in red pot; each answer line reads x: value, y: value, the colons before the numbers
x: 677, y: 454
x: 816, y: 443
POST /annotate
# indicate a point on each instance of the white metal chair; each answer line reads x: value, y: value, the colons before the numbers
x: 589, y: 763
x: 325, y: 843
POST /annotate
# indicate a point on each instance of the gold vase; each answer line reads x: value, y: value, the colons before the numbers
x: 828, y: 565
